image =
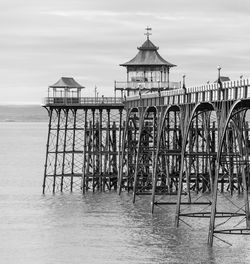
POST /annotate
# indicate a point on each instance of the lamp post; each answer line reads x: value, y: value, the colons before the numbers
x: 219, y: 77
x: 96, y: 94
x: 219, y: 69
x: 183, y: 83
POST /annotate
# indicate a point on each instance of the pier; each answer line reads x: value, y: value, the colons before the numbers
x: 183, y: 146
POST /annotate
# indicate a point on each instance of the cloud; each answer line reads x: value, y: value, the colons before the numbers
x: 81, y: 13
x: 44, y: 40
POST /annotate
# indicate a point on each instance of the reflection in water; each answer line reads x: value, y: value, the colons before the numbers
x: 106, y: 228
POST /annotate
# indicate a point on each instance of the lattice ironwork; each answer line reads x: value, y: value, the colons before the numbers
x: 232, y: 176
x: 82, y: 149
x: 129, y: 150
x: 167, y: 157
x: 146, y: 153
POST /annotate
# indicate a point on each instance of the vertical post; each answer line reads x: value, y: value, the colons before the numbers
x: 243, y: 142
x: 236, y: 93
x: 154, y: 134
x: 178, y: 204
x: 182, y: 161
x: 100, y: 170
x: 56, y: 150
x: 108, y: 143
x: 93, y: 150
x: 64, y: 145
x: 73, y: 150
x: 50, y: 112
x: 167, y: 146
x: 115, y: 91
x: 247, y: 151
x: 245, y: 91
x: 89, y: 154
x: 137, y: 157
x: 155, y: 176
x: 114, y: 155
x: 245, y: 193
x: 208, y: 150
x: 197, y: 157
x: 119, y: 149
x: 191, y: 144
x: 219, y: 84
x: 214, y: 202
x: 124, y: 132
x: 84, y: 151
x: 168, y: 78
x: 127, y: 81
x: 216, y: 178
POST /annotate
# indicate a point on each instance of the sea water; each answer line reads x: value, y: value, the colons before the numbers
x: 91, y: 228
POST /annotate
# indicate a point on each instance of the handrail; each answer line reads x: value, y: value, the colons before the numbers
x: 83, y: 101
x: 147, y: 85
x: 231, y: 90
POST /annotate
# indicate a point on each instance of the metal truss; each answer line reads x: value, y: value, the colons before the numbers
x: 214, y: 174
x: 83, y: 149
x: 230, y: 207
x: 63, y: 169
x: 197, y: 162
x: 144, y: 166
x: 129, y: 150
x: 167, y: 157
x: 194, y: 156
x: 101, y: 149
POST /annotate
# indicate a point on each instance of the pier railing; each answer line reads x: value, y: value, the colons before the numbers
x: 231, y: 90
x: 226, y: 91
x: 147, y: 85
x: 70, y: 101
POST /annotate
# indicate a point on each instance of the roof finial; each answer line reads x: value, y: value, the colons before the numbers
x: 148, y: 34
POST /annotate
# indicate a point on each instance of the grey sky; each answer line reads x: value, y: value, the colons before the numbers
x: 88, y: 39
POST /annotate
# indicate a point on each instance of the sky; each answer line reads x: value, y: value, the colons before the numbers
x: 43, y: 40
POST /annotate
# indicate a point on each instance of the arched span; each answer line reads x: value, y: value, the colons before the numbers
x: 238, y: 104
x: 133, y: 110
x: 146, y: 148
x: 195, y: 143
x: 236, y: 108
x: 166, y: 111
x: 204, y: 106
x: 129, y: 149
x: 162, y: 161
x: 199, y: 107
x: 150, y: 109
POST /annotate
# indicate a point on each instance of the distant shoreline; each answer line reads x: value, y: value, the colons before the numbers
x: 22, y: 113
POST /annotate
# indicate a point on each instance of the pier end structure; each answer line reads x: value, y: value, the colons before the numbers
x: 84, y: 137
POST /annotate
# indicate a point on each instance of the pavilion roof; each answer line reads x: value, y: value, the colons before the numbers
x: 66, y: 82
x: 148, y: 55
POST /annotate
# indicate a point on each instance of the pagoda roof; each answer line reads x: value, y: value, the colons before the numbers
x: 66, y: 82
x: 148, y: 45
x: 148, y: 55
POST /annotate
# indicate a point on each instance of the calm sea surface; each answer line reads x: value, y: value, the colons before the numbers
x: 91, y: 228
